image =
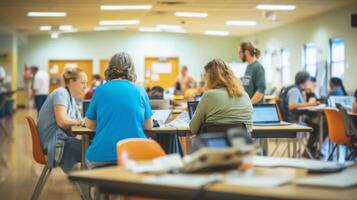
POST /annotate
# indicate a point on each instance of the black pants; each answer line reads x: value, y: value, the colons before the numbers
x: 39, y: 100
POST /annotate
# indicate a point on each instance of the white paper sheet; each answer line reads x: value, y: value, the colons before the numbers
x: 161, y: 68
x: 257, y: 181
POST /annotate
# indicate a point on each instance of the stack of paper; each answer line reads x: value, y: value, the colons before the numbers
x: 181, y: 121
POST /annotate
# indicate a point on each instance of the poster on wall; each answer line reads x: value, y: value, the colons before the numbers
x: 161, y: 68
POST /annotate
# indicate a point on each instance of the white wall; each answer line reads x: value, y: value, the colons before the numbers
x: 317, y: 29
x: 193, y: 50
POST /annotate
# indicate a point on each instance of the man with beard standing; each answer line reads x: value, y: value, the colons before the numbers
x: 254, y: 77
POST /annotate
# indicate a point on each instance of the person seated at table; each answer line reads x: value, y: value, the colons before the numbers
x: 337, y: 87
x: 156, y: 92
x: 295, y: 99
x: 57, y: 115
x: 97, y: 80
x: 224, y: 100
x: 119, y: 109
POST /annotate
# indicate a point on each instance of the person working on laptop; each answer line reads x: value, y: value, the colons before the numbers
x: 254, y: 76
x: 337, y: 87
x: 57, y: 115
x: 224, y: 100
x: 119, y: 109
x: 295, y: 99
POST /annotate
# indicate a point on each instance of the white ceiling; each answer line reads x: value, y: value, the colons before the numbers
x: 84, y: 15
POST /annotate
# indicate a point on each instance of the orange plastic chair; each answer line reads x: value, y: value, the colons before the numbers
x: 336, y: 129
x: 138, y: 149
x: 39, y: 156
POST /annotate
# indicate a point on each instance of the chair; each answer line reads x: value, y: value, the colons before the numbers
x: 138, y: 149
x: 40, y: 157
x: 2, y: 115
x: 351, y: 130
x: 336, y: 129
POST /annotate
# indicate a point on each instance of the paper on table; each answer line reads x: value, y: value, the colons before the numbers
x: 182, y: 120
x: 257, y: 181
x: 297, y: 163
x: 161, y: 116
x: 164, y: 163
x: 183, y: 180
x: 344, y: 179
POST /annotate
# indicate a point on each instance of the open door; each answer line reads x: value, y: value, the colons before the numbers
x: 161, y: 71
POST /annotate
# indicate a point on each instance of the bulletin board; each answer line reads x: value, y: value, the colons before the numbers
x: 161, y: 71
x: 56, y: 69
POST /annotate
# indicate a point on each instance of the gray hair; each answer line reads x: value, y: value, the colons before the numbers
x: 121, y: 66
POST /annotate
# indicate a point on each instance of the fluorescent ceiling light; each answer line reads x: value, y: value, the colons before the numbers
x: 102, y: 28
x: 175, y: 30
x: 150, y: 29
x: 45, y: 28
x: 54, y: 35
x: 126, y: 7
x: 240, y: 23
x: 165, y: 26
x: 46, y: 14
x: 71, y: 30
x: 275, y: 7
x: 191, y: 14
x: 214, y: 32
x: 119, y: 22
x: 65, y: 27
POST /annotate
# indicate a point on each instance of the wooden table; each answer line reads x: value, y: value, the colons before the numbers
x: 117, y: 180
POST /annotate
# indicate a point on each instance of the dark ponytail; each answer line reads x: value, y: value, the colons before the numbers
x: 248, y: 46
x: 338, y: 82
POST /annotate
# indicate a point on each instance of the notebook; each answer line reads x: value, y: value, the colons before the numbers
x: 266, y: 115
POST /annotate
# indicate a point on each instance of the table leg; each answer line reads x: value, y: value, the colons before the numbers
x: 188, y: 142
x: 321, y: 133
x: 295, y: 146
x: 85, y: 144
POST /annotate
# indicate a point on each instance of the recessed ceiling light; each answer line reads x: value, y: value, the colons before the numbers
x: 45, y: 28
x: 175, y: 30
x: 166, y: 26
x: 126, y: 7
x: 275, y: 7
x: 240, y: 23
x: 102, y: 28
x: 71, y: 30
x: 46, y: 14
x: 119, y: 22
x: 65, y: 27
x: 55, y: 35
x: 191, y: 14
x: 215, y: 32
x: 150, y: 29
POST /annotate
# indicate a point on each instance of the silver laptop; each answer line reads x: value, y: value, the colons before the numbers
x: 345, y: 101
x: 266, y: 115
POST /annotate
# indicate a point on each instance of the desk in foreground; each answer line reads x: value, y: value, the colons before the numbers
x: 118, y: 180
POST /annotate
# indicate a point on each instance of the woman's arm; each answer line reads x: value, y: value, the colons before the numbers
x: 62, y: 118
x: 91, y: 124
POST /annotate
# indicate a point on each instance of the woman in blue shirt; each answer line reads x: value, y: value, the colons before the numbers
x: 119, y: 109
x: 337, y: 87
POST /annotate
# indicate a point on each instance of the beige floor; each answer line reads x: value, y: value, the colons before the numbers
x: 19, y: 172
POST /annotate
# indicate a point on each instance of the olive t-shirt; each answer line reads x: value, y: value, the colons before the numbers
x: 254, y: 79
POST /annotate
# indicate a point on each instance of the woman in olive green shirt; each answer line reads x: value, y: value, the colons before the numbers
x: 224, y: 100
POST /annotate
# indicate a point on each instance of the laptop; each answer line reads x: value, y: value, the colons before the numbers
x: 160, y: 104
x: 345, y: 101
x: 191, y: 106
x: 266, y: 115
x: 85, y: 106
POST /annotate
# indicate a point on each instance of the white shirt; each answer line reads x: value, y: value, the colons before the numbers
x: 2, y: 72
x: 41, y: 83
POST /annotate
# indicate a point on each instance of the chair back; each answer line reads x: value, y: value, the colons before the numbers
x: 138, y: 149
x: 219, y: 128
x: 37, y: 151
x: 351, y: 129
x: 336, y: 127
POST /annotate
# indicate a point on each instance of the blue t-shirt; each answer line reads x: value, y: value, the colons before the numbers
x: 336, y: 92
x: 120, y: 109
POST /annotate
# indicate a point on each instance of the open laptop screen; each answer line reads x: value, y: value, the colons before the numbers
x: 191, y: 106
x: 85, y: 106
x: 265, y: 113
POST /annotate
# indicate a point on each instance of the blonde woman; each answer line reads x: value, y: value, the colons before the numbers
x: 224, y: 100
x: 57, y: 115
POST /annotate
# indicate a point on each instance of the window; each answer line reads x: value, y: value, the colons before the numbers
x: 267, y: 64
x: 310, y: 58
x: 337, y: 57
x: 285, y: 66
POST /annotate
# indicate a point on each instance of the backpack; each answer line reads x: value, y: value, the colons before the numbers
x: 283, y: 101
